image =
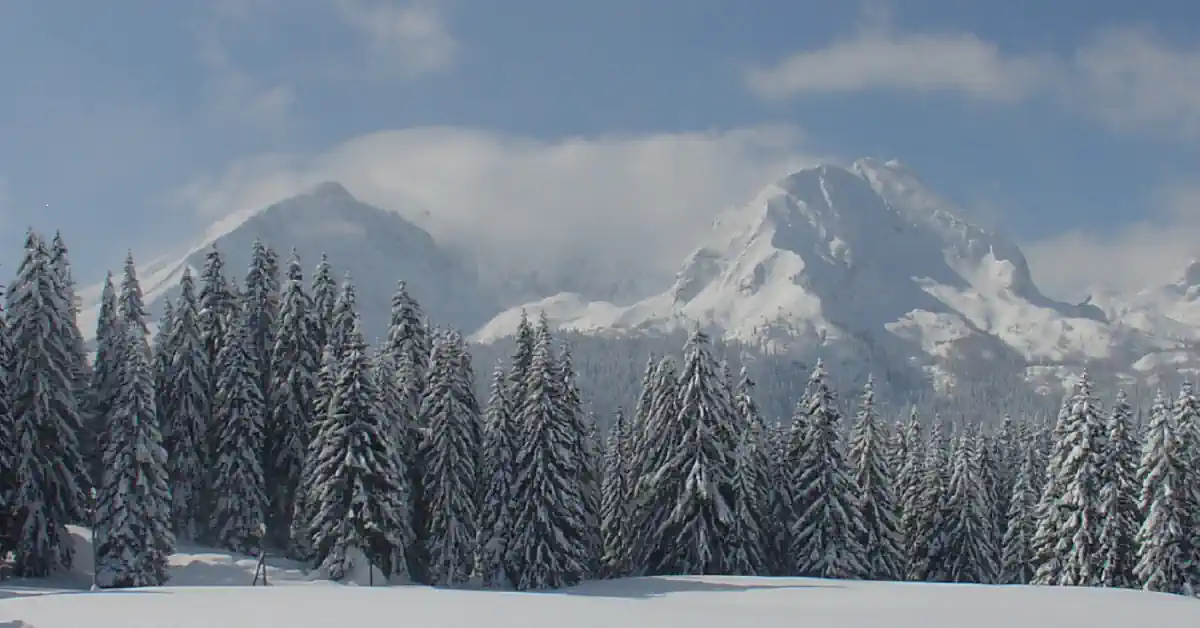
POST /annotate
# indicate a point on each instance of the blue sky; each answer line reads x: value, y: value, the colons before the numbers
x: 1072, y: 125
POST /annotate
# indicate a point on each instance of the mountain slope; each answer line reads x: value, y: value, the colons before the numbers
x: 859, y: 259
x: 376, y: 247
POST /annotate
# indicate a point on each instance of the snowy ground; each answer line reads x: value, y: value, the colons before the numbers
x: 209, y: 588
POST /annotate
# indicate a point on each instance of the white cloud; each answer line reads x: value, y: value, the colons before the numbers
x: 1129, y: 79
x: 878, y: 58
x: 1144, y: 253
x: 644, y: 198
x: 402, y: 38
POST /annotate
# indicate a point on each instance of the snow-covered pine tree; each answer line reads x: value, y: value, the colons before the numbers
x: 583, y: 428
x: 550, y: 548
x: 8, y: 480
x: 260, y: 307
x: 1163, y: 564
x: 969, y: 543
x: 358, y: 486
x: 909, y: 476
x: 652, y: 500
x: 162, y: 355
x: 324, y: 295
x: 239, y: 508
x: 927, y: 553
x: 1187, y: 435
x: 881, y: 538
x: 186, y: 419
x: 218, y: 307
x: 747, y: 549
x: 826, y: 535
x: 989, y: 472
x: 615, y: 511
x: 406, y: 353
x: 1016, y: 554
x: 634, y: 445
x: 103, y: 383
x: 451, y: 457
x: 344, y: 317
x: 897, y: 455
x: 81, y: 370
x: 1069, y: 527
x: 1046, y: 553
x: 133, y: 523
x: 397, y: 423
x: 779, y: 507
x: 753, y: 481
x: 408, y: 336
x: 290, y: 424
x: 698, y: 477
x: 46, y: 419
x: 496, y: 510
x: 524, y: 344
x: 1119, y: 514
x: 131, y: 304
x: 1005, y: 458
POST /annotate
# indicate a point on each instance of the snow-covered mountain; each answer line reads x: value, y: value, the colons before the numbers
x: 864, y: 262
x: 861, y: 260
x: 375, y: 247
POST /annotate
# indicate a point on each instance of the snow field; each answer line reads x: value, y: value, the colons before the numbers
x: 209, y: 588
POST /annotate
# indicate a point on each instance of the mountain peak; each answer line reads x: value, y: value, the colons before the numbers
x: 330, y: 190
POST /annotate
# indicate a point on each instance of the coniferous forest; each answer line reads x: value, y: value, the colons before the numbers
x: 256, y: 416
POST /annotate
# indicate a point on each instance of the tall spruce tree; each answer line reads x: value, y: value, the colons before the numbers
x: 779, y: 507
x: 358, y: 484
x: 1119, y: 515
x: 826, y: 535
x: 909, y: 492
x: 747, y: 549
x: 8, y: 444
x: 324, y: 295
x: 133, y: 523
x: 615, y: 511
x: 451, y: 477
x: 881, y: 538
x: 653, y: 500
x: 927, y: 553
x: 290, y: 424
x: 583, y: 427
x: 46, y: 419
x: 1187, y: 430
x: 550, y: 548
x: 161, y: 356
x: 698, y: 477
x: 218, y: 314
x: 260, y: 307
x: 239, y: 508
x: 186, y: 421
x: 753, y: 481
x: 1070, y: 525
x: 405, y: 356
x: 1017, y: 561
x: 341, y: 325
x: 103, y: 384
x: 970, y: 549
x: 1162, y: 560
x: 497, y: 508
x: 81, y: 371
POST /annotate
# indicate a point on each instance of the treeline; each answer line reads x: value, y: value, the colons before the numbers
x: 260, y: 418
